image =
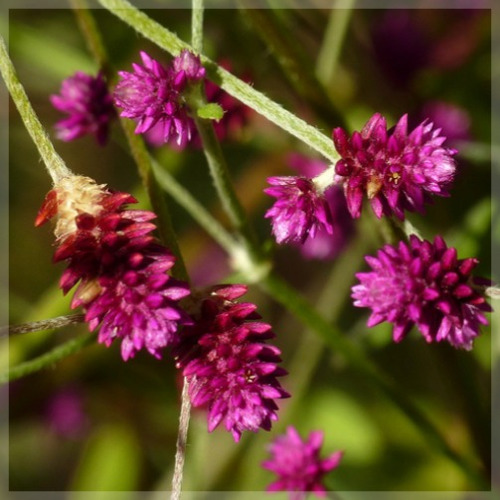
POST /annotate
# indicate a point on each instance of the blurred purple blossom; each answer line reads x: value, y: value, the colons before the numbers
x: 298, y: 464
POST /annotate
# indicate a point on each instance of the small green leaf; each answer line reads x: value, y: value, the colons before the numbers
x: 211, y: 111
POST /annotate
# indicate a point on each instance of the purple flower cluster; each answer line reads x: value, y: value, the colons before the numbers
x: 119, y: 267
x: 89, y: 106
x: 231, y: 369
x: 153, y: 95
x: 236, y: 115
x: 299, y: 211
x: 298, y: 464
x: 424, y: 284
x: 397, y: 171
x: 325, y: 244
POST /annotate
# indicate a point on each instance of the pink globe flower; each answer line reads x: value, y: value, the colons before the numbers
x: 396, y: 170
x: 424, y: 284
x: 152, y: 95
x: 230, y: 368
x: 119, y: 267
x: 299, y: 211
x: 298, y: 464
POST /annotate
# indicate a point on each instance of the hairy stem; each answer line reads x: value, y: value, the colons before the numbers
x: 40, y: 326
x: 54, y: 163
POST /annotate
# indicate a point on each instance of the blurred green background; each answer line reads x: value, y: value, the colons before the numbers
x: 125, y: 415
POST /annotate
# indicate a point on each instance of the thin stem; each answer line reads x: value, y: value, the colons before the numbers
x: 54, y: 163
x: 293, y: 61
x: 199, y: 213
x: 180, y: 453
x: 224, y: 79
x: 39, y: 326
x: 140, y: 154
x: 197, y: 26
x: 222, y: 181
x: 48, y: 359
x: 88, y: 28
x: 331, y: 47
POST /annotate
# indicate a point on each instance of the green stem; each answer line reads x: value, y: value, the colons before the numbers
x: 47, y: 359
x: 199, y: 213
x: 224, y: 79
x: 140, y: 154
x: 293, y: 61
x: 54, y: 163
x: 331, y: 47
x: 222, y: 181
x: 197, y: 26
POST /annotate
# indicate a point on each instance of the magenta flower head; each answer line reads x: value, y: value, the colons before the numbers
x: 88, y: 104
x: 230, y: 369
x: 120, y: 268
x: 236, y: 114
x: 325, y: 244
x: 298, y: 464
x: 299, y: 211
x: 152, y: 95
x: 424, y: 284
x: 397, y: 171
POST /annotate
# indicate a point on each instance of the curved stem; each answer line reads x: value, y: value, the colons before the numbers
x: 224, y: 79
x: 48, y: 359
x: 54, y: 163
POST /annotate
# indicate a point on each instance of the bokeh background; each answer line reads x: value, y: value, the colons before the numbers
x: 93, y: 422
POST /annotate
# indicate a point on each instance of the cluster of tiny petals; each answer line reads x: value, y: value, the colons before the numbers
x: 231, y: 370
x: 119, y: 267
x: 423, y: 283
x: 152, y: 95
x: 298, y: 464
x: 396, y: 170
x: 88, y: 104
x: 299, y: 211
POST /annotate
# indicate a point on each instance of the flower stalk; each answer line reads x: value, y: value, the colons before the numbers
x: 54, y: 163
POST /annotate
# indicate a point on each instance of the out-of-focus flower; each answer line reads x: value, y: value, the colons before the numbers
x: 230, y: 369
x: 152, y: 95
x: 64, y: 413
x: 298, y: 464
x: 120, y: 267
x: 397, y: 171
x: 453, y: 120
x: 424, y: 284
x: 299, y: 211
x: 400, y: 45
x: 88, y: 104
x: 325, y: 244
